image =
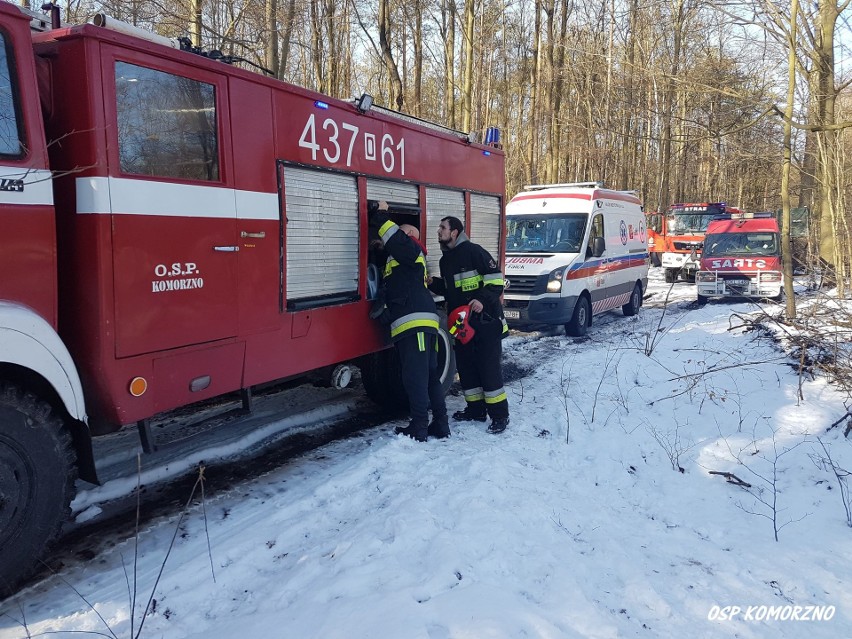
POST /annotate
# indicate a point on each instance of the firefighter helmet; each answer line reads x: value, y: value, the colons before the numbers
x: 459, y: 324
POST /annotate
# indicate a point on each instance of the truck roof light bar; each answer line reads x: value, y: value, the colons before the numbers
x: 108, y: 22
x: 582, y: 185
x: 414, y: 120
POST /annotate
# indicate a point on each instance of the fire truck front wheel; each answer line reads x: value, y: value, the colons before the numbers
x: 37, y: 475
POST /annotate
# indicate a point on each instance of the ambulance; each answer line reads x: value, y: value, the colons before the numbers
x: 741, y: 258
x: 574, y: 251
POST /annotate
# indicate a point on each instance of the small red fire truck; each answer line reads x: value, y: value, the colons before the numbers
x: 741, y: 258
x: 175, y: 228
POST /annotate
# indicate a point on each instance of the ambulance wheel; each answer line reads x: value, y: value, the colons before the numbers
x: 580, y: 319
x: 37, y: 475
x: 632, y: 307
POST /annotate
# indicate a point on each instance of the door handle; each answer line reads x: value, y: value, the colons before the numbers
x: 226, y: 249
x: 259, y: 236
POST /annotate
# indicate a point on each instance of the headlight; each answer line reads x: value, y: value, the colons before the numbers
x: 705, y: 276
x: 554, y: 283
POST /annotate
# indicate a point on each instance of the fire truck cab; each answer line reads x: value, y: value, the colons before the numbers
x: 741, y: 258
x: 685, y: 225
x: 176, y: 228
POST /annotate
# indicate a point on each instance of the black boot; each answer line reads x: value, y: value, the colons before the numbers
x: 439, y: 428
x: 498, y: 425
x: 417, y: 432
x: 468, y: 415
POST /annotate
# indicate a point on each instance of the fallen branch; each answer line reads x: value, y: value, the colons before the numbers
x: 732, y: 479
x: 839, y: 421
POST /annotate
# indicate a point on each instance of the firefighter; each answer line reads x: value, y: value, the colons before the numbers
x: 470, y: 276
x: 413, y: 325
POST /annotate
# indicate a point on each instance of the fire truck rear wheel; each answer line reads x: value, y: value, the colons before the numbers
x: 671, y: 275
x: 37, y: 475
x: 382, y: 379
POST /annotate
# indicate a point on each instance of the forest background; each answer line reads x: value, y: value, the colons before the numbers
x: 682, y: 100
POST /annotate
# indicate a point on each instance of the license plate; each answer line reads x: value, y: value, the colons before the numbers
x: 510, y: 314
x: 738, y: 282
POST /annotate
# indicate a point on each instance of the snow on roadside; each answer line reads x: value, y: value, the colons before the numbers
x: 524, y: 534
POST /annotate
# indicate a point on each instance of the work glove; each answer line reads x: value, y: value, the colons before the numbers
x: 377, y: 212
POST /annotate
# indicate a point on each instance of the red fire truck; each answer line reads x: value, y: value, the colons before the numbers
x: 685, y: 225
x: 176, y: 228
x: 741, y: 258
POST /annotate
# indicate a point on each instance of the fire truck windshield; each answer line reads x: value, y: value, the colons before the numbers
x: 690, y: 219
x: 730, y: 244
x: 559, y: 233
x: 10, y: 141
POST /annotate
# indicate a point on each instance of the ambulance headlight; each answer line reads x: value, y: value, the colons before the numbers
x: 554, y: 282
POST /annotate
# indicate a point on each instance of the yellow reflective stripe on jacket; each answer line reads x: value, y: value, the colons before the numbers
x: 387, y: 230
x: 495, y: 396
x: 414, y: 320
x: 493, y: 279
x: 421, y: 342
x: 391, y: 264
x: 468, y: 280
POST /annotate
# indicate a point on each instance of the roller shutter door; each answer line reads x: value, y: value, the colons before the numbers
x: 400, y: 192
x: 485, y: 223
x: 322, y: 237
x: 440, y: 203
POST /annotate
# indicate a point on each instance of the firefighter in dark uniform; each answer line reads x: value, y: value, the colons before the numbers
x: 469, y: 275
x: 413, y: 325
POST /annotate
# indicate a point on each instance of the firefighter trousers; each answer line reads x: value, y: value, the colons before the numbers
x: 481, y: 375
x: 418, y: 356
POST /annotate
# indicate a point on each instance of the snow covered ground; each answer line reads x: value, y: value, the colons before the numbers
x: 596, y: 514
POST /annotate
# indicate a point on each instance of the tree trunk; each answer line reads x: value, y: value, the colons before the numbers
x: 394, y: 81
x: 786, y: 245
x: 467, y: 80
x: 196, y: 23
x: 272, y: 59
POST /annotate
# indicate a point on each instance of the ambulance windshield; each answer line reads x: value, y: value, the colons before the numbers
x: 741, y: 244
x: 554, y: 233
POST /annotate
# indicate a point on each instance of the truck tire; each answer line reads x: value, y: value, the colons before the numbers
x: 632, y: 307
x: 580, y: 319
x: 382, y: 378
x: 671, y: 275
x: 37, y: 474
x: 656, y: 260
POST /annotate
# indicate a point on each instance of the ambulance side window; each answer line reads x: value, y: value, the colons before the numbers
x: 597, y: 231
x: 166, y: 124
x: 10, y: 132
